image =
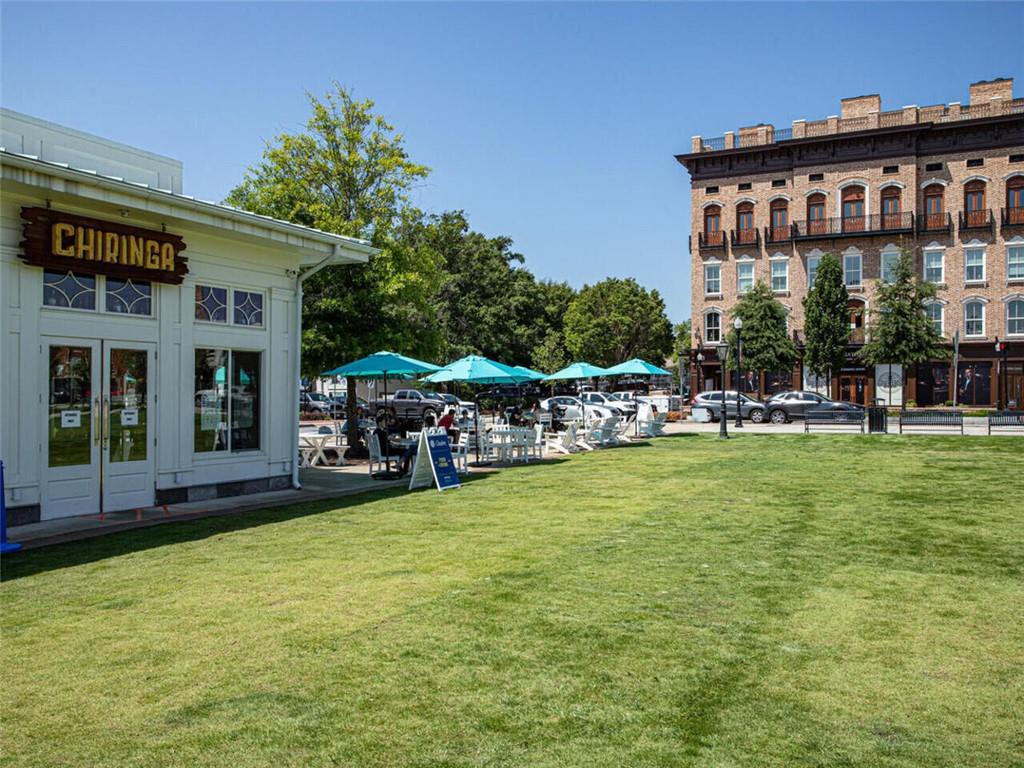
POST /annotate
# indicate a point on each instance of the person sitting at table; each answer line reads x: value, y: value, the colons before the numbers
x: 405, y: 463
x: 447, y: 422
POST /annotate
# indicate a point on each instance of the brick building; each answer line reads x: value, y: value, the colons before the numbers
x: 945, y: 182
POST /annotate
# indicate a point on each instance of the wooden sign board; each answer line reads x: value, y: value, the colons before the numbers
x: 64, y: 241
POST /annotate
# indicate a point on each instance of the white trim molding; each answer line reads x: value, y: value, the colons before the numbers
x: 773, y: 198
x: 744, y: 257
x: 928, y: 182
x: 891, y: 183
x: 976, y: 177
x: 973, y: 297
x: 1013, y: 297
x: 853, y: 183
x: 708, y: 203
x: 975, y: 243
x: 936, y: 300
x: 741, y: 200
x: 778, y: 256
x: 1011, y: 174
x: 816, y: 191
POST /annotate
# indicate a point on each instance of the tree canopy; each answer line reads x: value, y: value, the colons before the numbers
x: 899, y: 331
x: 826, y: 319
x: 766, y: 344
x: 616, y: 320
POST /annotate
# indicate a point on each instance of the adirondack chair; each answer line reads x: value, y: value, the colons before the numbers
x: 609, y: 429
x: 460, y: 452
x: 591, y: 437
x: 537, y: 444
x: 377, y: 462
x: 561, y: 442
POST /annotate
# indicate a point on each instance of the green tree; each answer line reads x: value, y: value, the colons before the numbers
x: 899, y: 331
x: 616, y: 320
x: 489, y: 303
x: 826, y: 319
x: 348, y: 172
x: 551, y: 354
x: 682, y: 342
x: 766, y: 344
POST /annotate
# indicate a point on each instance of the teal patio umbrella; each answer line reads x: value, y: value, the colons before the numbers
x: 380, y: 365
x: 576, y: 371
x: 474, y: 369
x: 534, y: 375
x: 637, y: 367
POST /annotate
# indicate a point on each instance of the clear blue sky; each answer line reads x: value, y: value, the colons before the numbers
x: 554, y: 124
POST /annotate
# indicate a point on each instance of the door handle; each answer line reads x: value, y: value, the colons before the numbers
x: 97, y: 421
x: 106, y: 420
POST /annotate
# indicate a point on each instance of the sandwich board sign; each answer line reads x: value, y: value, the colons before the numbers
x: 434, y: 463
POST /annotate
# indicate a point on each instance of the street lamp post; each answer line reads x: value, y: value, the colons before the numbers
x: 723, y: 356
x: 700, y: 373
x: 1002, y: 404
x: 738, y: 325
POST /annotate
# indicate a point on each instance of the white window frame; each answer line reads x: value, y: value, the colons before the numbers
x: 719, y: 314
x: 850, y: 253
x: 891, y: 251
x: 970, y: 249
x: 813, y: 260
x: 229, y: 321
x: 942, y: 314
x: 867, y: 197
x: 1016, y: 244
x: 970, y: 302
x: 716, y: 265
x: 774, y: 261
x: 1017, y: 297
x: 941, y: 253
x: 744, y: 262
x: 100, y: 291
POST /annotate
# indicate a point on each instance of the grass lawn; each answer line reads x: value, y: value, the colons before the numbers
x: 777, y: 600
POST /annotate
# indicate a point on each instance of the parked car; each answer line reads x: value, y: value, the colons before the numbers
x: 412, y: 404
x: 617, y: 405
x: 451, y: 401
x: 786, y: 406
x: 341, y: 400
x: 313, y: 403
x: 751, y: 409
x: 566, y: 408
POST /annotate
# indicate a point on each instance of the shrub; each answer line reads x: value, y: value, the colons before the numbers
x: 675, y: 416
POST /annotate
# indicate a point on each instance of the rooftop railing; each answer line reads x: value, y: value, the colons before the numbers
x: 938, y: 113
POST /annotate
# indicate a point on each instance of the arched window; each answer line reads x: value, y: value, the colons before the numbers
x: 1015, y: 317
x: 974, y: 318
x: 745, y: 232
x: 853, y: 208
x: 713, y: 225
x: 855, y: 308
x: 975, y: 214
x: 934, y: 207
x: 891, y: 208
x: 816, y: 214
x: 1015, y: 200
x: 780, y: 220
x: 934, y: 312
x: 713, y: 327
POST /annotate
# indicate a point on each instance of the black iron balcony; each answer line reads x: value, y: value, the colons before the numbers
x: 711, y: 239
x: 778, y: 234
x: 935, y: 223
x: 1013, y: 217
x: 976, y: 219
x: 748, y: 236
x: 854, y: 226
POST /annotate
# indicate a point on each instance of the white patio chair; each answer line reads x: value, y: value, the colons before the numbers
x: 609, y: 429
x: 591, y: 436
x: 376, y: 459
x: 460, y: 452
x: 561, y: 442
x: 537, y: 444
x: 658, y: 426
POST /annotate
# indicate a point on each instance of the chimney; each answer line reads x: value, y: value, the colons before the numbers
x: 985, y: 91
x: 861, y: 106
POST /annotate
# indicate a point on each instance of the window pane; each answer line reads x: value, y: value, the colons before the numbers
x: 712, y: 278
x: 70, y: 416
x: 933, y: 267
x: 211, y: 404
x: 780, y: 275
x: 851, y: 266
x: 1015, y: 263
x: 934, y: 312
x: 745, y: 273
x: 975, y: 323
x: 128, y: 297
x: 712, y: 327
x: 69, y: 290
x: 211, y: 304
x: 248, y: 308
x: 974, y: 261
x: 1015, y: 317
x: 812, y: 271
x: 245, y: 401
x: 128, y: 412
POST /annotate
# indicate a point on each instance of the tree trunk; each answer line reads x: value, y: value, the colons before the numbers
x: 356, y: 450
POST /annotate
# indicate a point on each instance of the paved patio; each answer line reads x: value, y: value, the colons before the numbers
x: 317, y: 484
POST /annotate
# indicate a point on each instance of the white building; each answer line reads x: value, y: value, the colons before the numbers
x: 148, y: 340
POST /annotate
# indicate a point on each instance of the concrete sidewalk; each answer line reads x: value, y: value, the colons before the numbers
x: 317, y: 484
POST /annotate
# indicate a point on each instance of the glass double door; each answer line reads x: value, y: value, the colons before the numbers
x: 98, y: 435
x: 853, y: 389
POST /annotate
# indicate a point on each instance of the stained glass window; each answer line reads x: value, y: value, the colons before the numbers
x: 69, y: 290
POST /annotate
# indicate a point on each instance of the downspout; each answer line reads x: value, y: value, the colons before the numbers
x: 300, y: 278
